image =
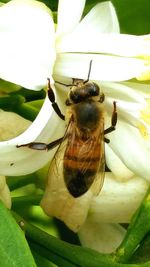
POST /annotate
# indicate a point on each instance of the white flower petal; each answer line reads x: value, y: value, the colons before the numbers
x: 107, y: 43
x: 101, y: 19
x: 129, y: 112
x: 11, y: 125
x: 27, y: 43
x: 118, y: 201
x: 131, y: 147
x: 121, y: 172
x: 69, y: 14
x: 46, y: 127
x: 125, y: 45
x: 104, y: 68
x: 2, y: 182
x: 104, y: 238
x: 129, y: 100
x: 141, y: 89
x: 125, y: 91
x: 4, y: 192
x: 58, y: 202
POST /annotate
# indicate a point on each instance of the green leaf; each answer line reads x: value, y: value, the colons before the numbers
x: 142, y: 253
x: 14, y: 250
x: 139, y: 227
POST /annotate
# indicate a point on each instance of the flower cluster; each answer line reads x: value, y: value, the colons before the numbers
x: 30, y: 51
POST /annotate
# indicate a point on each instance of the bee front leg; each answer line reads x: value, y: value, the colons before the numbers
x: 113, y: 122
x: 51, y: 97
x: 42, y: 146
x: 106, y: 140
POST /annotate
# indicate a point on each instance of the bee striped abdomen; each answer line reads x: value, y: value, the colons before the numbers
x: 80, y: 167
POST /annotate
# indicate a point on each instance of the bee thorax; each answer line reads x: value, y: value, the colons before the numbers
x: 87, y: 116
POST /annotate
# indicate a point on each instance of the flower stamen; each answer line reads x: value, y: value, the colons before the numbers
x: 145, y: 116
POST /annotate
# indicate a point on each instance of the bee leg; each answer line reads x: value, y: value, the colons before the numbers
x: 113, y: 120
x: 51, y: 97
x: 106, y: 140
x: 42, y: 146
x: 102, y: 98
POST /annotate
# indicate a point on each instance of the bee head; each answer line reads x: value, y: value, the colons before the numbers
x: 83, y: 91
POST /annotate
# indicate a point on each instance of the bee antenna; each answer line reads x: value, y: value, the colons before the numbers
x: 89, y: 72
x: 67, y: 85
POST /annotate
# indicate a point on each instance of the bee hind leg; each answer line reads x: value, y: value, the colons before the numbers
x: 42, y: 146
x: 113, y: 120
x: 51, y: 97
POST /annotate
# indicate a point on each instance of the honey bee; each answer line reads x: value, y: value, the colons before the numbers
x: 84, y: 153
x: 84, y: 157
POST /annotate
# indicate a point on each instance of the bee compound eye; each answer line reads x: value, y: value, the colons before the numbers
x: 67, y: 102
x: 96, y: 89
x: 92, y: 89
x: 74, y: 97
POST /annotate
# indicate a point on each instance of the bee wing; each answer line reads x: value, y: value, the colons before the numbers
x: 85, y: 165
x: 99, y: 179
x: 97, y: 144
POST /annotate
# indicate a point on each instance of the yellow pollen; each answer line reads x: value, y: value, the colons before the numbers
x: 143, y: 131
x: 145, y: 116
x: 146, y: 37
x: 145, y: 113
x: 145, y: 75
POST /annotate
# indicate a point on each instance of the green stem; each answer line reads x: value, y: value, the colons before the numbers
x: 65, y: 253
x: 50, y: 255
x: 27, y: 111
x: 19, y: 181
x: 26, y: 200
x: 138, y: 228
x: 30, y: 95
x: 9, y: 103
x: 36, y: 103
x: 16, y: 103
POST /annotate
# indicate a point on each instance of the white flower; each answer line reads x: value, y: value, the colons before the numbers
x: 31, y: 51
x: 11, y: 125
x: 4, y: 192
x: 101, y: 230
